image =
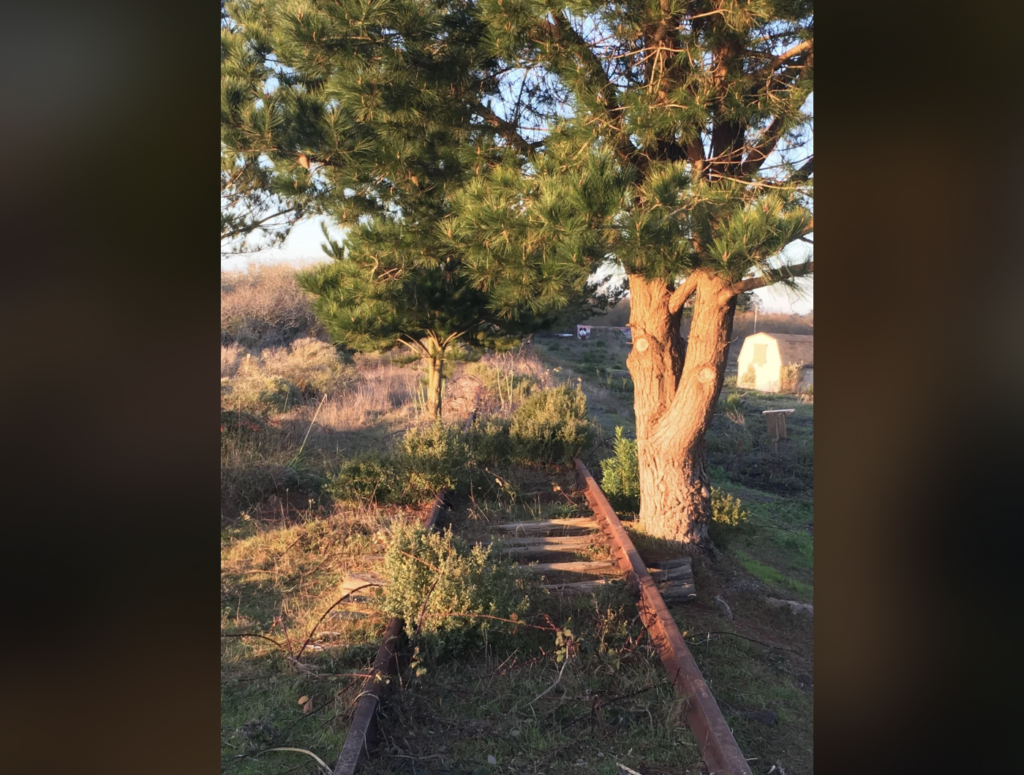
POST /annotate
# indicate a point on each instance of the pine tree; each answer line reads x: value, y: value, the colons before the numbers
x: 373, y: 114
x: 546, y: 139
x: 675, y: 148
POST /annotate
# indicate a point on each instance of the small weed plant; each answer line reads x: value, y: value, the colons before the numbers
x: 728, y: 516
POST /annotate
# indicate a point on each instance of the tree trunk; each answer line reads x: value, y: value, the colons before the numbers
x: 435, y: 383
x: 674, y: 401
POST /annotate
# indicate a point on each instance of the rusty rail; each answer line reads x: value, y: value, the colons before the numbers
x: 717, y: 745
x: 362, y: 731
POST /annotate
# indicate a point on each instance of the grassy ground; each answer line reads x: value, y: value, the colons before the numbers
x: 757, y: 659
x: 285, y: 547
x: 291, y: 671
x: 278, y: 578
x: 515, y: 704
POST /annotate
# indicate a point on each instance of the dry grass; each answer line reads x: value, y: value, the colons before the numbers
x: 265, y: 307
x: 508, y: 377
x: 772, y: 323
x: 279, y: 577
x: 358, y: 409
x: 382, y: 394
x: 231, y: 358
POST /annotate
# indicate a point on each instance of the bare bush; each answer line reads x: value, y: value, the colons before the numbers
x: 265, y: 307
x: 771, y: 323
x: 310, y: 364
x: 790, y: 377
x: 231, y: 357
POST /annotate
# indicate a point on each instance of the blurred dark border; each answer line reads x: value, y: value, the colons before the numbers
x: 111, y: 306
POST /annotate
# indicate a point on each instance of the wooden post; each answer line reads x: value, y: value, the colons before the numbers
x: 776, y: 426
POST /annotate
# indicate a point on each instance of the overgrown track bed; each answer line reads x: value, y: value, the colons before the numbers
x: 584, y: 691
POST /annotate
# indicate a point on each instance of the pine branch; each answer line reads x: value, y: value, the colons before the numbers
x: 508, y: 130
x: 805, y: 171
x: 784, y: 273
x: 682, y: 293
x: 759, y: 153
x: 561, y: 31
x: 799, y: 48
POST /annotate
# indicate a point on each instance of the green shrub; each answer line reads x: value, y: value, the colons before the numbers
x: 432, y: 458
x: 551, y: 426
x: 443, y: 589
x: 369, y: 477
x: 489, y: 442
x: 727, y: 516
x: 435, y: 457
x: 254, y: 392
x: 620, y: 474
x: 727, y: 510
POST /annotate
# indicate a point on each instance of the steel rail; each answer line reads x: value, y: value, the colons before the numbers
x: 717, y: 745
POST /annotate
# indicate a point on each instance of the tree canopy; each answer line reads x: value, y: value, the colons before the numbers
x: 517, y: 145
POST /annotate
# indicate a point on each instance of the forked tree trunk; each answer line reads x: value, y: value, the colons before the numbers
x: 674, y: 401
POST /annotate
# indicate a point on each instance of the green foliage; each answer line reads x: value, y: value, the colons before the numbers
x: 620, y: 474
x: 551, y: 426
x: 728, y: 517
x: 255, y: 392
x: 435, y: 457
x: 429, y: 459
x: 727, y: 510
x: 488, y: 158
x: 489, y: 441
x: 369, y: 477
x: 444, y: 590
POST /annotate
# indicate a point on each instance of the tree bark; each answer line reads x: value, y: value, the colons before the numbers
x: 435, y: 384
x: 674, y: 401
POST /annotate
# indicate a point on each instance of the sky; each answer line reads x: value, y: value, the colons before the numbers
x: 303, y: 247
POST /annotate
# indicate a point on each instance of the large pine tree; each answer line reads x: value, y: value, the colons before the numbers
x: 676, y: 145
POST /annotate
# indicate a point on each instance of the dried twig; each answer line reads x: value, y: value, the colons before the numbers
x: 320, y: 621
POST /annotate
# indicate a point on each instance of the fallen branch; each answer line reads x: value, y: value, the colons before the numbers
x: 309, y: 637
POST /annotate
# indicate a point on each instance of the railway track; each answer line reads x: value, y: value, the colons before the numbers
x: 550, y: 548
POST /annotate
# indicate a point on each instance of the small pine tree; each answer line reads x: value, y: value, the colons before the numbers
x: 620, y: 474
x: 375, y: 128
